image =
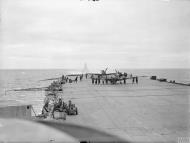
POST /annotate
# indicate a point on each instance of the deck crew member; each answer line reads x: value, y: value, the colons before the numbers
x: 92, y: 77
x: 51, y: 107
x: 124, y: 80
x: 133, y: 79
x: 137, y: 79
x: 98, y: 79
x: 70, y: 103
x: 92, y: 80
x: 106, y: 80
x: 67, y: 79
x: 125, y: 74
x: 76, y: 79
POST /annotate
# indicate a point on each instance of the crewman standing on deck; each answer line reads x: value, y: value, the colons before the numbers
x: 69, y: 103
x: 76, y: 79
x: 133, y: 79
x: 92, y: 77
x: 136, y: 79
x: 106, y: 80
x: 67, y: 79
x: 62, y: 77
x: 125, y: 74
x: 124, y: 80
x: 98, y: 79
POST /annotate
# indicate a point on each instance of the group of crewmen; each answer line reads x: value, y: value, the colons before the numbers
x: 76, y: 79
x: 53, y: 102
x: 104, y: 79
x: 135, y: 79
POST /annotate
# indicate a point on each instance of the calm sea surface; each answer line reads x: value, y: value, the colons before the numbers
x: 17, y: 79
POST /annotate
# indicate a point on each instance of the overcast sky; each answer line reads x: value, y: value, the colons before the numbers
x: 107, y: 33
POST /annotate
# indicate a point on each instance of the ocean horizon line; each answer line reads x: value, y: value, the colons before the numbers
x: 81, y: 68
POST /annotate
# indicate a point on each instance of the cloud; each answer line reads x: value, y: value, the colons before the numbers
x: 133, y: 33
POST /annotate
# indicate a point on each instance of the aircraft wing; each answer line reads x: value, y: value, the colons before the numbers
x: 94, y: 74
x: 74, y: 75
x: 51, y: 79
x: 28, y: 89
x: 110, y: 73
